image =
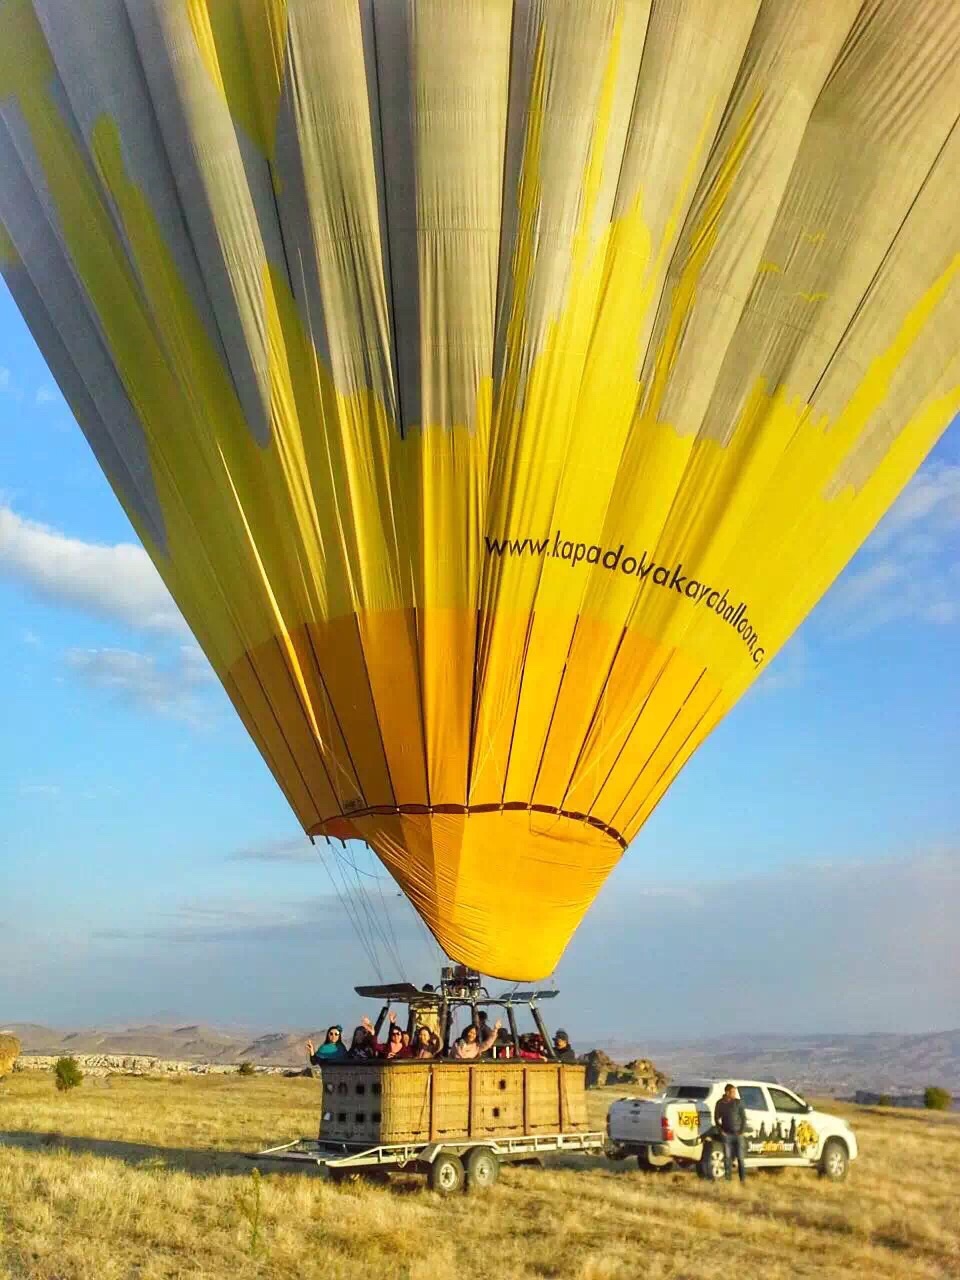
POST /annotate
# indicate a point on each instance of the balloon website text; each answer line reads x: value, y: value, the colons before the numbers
x: 667, y: 577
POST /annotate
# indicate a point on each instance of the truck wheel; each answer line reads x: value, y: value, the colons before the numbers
x: 712, y: 1164
x: 835, y: 1160
x: 482, y: 1169
x: 446, y: 1174
x: 653, y: 1164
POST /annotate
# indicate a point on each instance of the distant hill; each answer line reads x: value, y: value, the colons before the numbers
x: 836, y: 1064
x: 191, y: 1043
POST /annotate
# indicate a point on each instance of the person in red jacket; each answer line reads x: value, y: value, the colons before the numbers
x: 394, y: 1047
x: 531, y: 1048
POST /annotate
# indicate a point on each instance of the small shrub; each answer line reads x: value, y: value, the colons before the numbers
x: 936, y: 1099
x: 246, y: 1069
x: 251, y: 1208
x: 67, y: 1074
x: 884, y: 1100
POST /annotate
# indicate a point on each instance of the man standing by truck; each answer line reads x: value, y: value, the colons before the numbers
x: 731, y: 1119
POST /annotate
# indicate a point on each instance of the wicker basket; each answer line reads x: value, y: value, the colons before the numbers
x: 379, y: 1103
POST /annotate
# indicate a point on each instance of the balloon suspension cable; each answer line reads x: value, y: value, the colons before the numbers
x: 343, y: 897
x: 362, y: 903
x: 374, y: 921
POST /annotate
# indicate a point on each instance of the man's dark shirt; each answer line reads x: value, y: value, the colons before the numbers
x: 730, y: 1115
x: 566, y: 1054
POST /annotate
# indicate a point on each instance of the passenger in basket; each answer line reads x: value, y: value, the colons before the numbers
x: 394, y: 1048
x: 470, y: 1046
x: 363, y: 1046
x: 425, y: 1043
x: 531, y: 1048
x: 332, y: 1050
x: 483, y: 1027
x: 562, y: 1046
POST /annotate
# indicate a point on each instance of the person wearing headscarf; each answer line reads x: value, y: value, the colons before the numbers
x: 332, y: 1050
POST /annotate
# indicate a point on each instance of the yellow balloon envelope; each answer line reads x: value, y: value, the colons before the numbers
x: 496, y: 384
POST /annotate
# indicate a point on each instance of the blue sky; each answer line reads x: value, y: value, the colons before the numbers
x: 802, y: 874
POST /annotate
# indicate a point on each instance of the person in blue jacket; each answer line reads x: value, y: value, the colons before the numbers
x: 332, y: 1049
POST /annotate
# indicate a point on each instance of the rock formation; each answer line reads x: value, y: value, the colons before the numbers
x: 136, y: 1064
x: 9, y: 1052
x: 602, y: 1070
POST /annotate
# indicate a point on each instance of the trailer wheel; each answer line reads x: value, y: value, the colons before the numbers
x: 482, y: 1169
x: 446, y: 1174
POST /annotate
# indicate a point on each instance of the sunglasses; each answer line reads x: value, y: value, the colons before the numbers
x: 396, y: 1035
x: 334, y: 1034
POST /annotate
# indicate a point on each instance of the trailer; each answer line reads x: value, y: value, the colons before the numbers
x: 451, y: 1166
x: 456, y: 1121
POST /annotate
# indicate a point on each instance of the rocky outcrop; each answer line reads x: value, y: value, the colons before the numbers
x: 602, y: 1071
x: 9, y: 1052
x: 646, y: 1075
x: 135, y: 1064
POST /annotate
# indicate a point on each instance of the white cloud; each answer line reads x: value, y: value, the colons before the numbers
x: 789, y: 670
x: 827, y: 944
x: 116, y: 582
x: 47, y: 395
x: 8, y: 387
x: 39, y: 789
x: 910, y: 568
x: 832, y: 945
x: 296, y: 849
x: 137, y: 679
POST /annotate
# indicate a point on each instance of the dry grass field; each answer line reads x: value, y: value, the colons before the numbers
x: 142, y: 1178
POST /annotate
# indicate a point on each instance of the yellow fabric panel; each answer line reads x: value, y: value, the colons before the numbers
x: 339, y: 685
x: 442, y: 862
x: 393, y: 667
x: 242, y: 46
x: 587, y: 341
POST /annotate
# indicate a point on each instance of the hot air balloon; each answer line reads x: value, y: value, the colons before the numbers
x: 496, y: 384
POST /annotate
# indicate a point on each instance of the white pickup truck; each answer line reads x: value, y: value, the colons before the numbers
x: 677, y: 1127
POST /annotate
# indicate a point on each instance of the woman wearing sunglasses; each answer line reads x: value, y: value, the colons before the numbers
x: 332, y: 1049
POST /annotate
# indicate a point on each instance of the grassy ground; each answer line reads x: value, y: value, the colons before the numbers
x: 141, y: 1178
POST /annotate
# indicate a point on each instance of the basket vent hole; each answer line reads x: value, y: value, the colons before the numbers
x: 376, y: 1117
x: 361, y: 1090
x: 360, y: 1117
x: 375, y: 1090
x: 496, y: 1113
x: 502, y: 1084
x: 342, y: 1117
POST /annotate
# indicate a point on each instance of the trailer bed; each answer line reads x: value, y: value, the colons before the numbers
x: 339, y: 1158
